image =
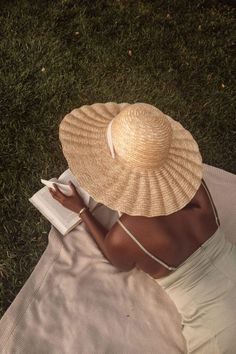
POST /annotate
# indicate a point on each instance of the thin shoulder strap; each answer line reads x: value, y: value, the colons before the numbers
x: 144, y: 249
x: 212, y: 203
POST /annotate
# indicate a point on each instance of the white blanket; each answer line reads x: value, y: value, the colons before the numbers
x: 75, y: 301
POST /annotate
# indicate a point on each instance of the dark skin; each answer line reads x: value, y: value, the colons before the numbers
x: 93, y: 226
x: 172, y: 238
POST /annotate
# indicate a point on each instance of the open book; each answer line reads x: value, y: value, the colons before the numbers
x: 62, y: 218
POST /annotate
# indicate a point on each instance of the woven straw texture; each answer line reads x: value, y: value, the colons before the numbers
x: 157, y: 167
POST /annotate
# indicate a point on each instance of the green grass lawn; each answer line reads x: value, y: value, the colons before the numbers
x: 58, y: 55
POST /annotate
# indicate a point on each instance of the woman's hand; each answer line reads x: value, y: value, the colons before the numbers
x: 73, y: 202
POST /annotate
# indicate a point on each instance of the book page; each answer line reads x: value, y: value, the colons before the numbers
x: 52, y: 209
x: 62, y: 218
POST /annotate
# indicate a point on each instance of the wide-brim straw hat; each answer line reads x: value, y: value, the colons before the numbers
x: 132, y: 158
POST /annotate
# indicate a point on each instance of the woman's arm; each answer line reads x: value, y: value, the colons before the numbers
x: 109, y: 242
x: 97, y: 230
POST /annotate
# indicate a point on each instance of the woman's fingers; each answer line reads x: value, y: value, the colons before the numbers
x: 59, y: 196
x: 73, y: 187
x: 57, y: 189
x: 52, y: 192
x: 73, y: 202
x: 57, y: 193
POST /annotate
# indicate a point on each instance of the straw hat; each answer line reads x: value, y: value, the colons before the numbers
x: 132, y: 157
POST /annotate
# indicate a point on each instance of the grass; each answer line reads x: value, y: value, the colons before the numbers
x: 58, y: 55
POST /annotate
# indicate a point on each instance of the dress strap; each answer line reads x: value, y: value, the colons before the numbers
x: 144, y: 249
x: 212, y: 203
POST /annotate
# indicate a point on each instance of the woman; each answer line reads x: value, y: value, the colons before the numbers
x: 135, y: 159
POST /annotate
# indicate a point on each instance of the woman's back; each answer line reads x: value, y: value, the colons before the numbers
x: 172, y: 238
x: 202, y: 282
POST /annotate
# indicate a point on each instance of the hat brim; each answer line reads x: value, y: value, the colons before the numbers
x: 111, y: 182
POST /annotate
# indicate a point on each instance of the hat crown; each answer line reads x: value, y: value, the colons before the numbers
x: 141, y: 136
